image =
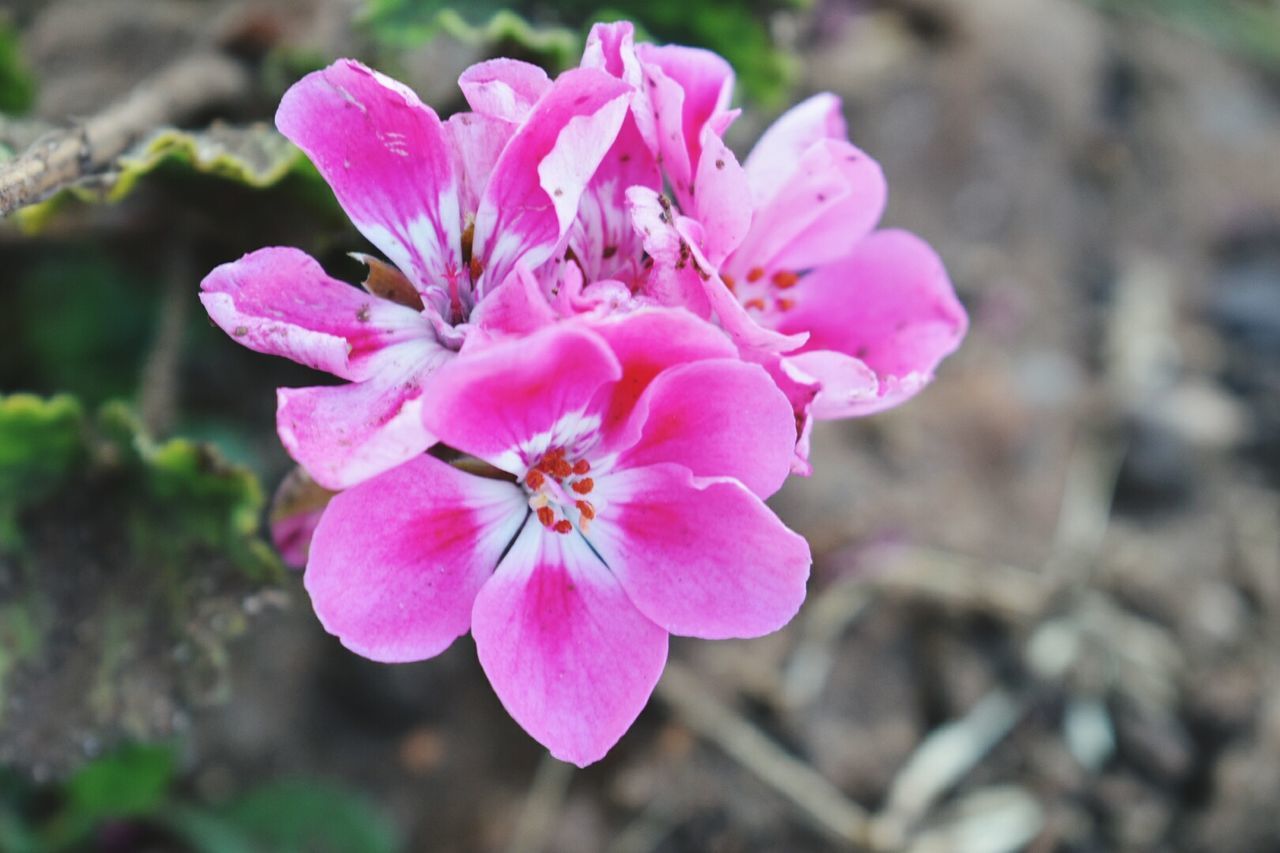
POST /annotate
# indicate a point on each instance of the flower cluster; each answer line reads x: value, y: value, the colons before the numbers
x: 625, y: 331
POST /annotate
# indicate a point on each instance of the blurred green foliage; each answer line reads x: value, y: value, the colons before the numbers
x: 1247, y: 28
x: 17, y: 86
x: 132, y: 797
x: 737, y: 29
x: 175, y: 497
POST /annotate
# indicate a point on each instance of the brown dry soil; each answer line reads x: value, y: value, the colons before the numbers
x: 1046, y: 593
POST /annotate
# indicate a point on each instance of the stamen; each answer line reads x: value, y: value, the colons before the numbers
x: 785, y: 304
x: 755, y: 274
x: 583, y: 486
x: 581, y: 467
x: 728, y: 282
x: 587, y: 510
x: 756, y: 303
x: 477, y: 267
x: 783, y: 279
x: 561, y: 468
x: 534, y: 479
x: 547, y: 516
x: 563, y: 526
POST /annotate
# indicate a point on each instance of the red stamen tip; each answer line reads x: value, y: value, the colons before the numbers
x: 785, y: 304
x: 584, y: 486
x: 587, y: 510
x: 561, y: 468
x: 755, y: 274
x: 563, y: 526
x: 581, y: 467
x: 728, y: 281
x: 784, y: 279
x: 477, y: 267
x: 534, y: 479
x: 756, y: 303
x: 547, y: 516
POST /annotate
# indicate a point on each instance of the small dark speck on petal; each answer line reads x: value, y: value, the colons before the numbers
x: 559, y: 192
x: 861, y: 352
x: 719, y: 164
x: 241, y: 331
x: 363, y: 314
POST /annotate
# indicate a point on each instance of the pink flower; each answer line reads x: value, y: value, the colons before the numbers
x: 457, y: 206
x: 849, y: 320
x: 638, y: 450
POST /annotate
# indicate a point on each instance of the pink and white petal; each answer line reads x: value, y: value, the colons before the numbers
x: 750, y: 336
x: 702, y: 557
x: 397, y: 561
x: 570, y: 657
x: 689, y: 88
x: 846, y: 386
x: 718, y: 418
x: 344, y: 434
x: 611, y: 48
x: 672, y: 280
x: 517, y: 307
x: 532, y: 196
x: 386, y: 157
x: 889, y: 305
x: 723, y: 202
x: 833, y: 198
x: 279, y: 301
x: 475, y: 142
x: 514, y: 398
x: 602, y: 238
x: 503, y: 88
x: 785, y: 141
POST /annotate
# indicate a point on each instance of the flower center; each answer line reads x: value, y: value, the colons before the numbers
x: 558, y: 487
x: 763, y: 293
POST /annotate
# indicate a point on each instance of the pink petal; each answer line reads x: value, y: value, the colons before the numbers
x: 397, y: 561
x: 504, y: 88
x: 518, y: 307
x: 568, y: 654
x: 494, y: 401
x: 690, y: 88
x: 343, y: 434
x: 647, y: 342
x: 476, y: 142
x: 723, y: 204
x: 718, y: 418
x: 602, y: 238
x: 279, y: 301
x: 611, y: 48
x: 386, y: 157
x: 701, y: 557
x: 846, y: 385
x: 785, y: 141
x: 890, y: 305
x: 532, y: 197
x: 832, y: 198
x: 672, y: 280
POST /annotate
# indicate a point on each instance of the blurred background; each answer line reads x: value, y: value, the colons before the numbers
x: 1046, y: 593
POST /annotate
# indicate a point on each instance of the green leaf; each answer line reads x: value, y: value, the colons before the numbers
x: 255, y: 155
x: 41, y: 442
x: 132, y: 782
x: 309, y: 817
x: 17, y: 86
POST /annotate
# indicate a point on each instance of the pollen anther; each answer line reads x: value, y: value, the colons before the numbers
x: 583, y: 486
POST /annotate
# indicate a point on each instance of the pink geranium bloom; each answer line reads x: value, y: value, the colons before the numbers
x: 786, y: 250
x: 637, y: 451
x: 457, y: 206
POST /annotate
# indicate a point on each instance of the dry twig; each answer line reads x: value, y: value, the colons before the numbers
x: 65, y: 156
